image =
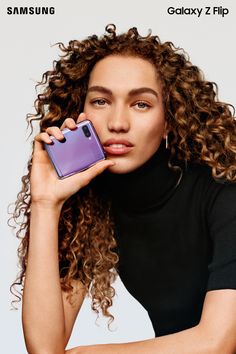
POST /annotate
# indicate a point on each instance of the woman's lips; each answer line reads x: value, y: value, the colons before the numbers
x: 117, y: 147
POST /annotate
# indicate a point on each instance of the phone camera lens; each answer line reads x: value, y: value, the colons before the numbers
x: 86, y: 131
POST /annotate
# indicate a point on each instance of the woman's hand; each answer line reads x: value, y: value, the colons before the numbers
x: 46, y: 187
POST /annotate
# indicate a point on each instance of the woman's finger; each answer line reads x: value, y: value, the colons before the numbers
x: 71, y: 124
x: 37, y: 146
x: 39, y: 139
x: 83, y: 178
x: 68, y: 123
x: 81, y: 117
x: 56, y: 132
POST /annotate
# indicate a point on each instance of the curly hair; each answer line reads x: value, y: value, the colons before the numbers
x: 201, y: 129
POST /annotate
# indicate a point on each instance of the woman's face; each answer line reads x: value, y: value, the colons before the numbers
x: 124, y: 102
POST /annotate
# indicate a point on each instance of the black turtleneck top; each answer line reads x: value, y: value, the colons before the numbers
x: 176, y: 241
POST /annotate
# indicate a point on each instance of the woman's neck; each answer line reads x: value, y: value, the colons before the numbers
x: 146, y: 188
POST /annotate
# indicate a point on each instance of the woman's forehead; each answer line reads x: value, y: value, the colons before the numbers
x: 122, y: 71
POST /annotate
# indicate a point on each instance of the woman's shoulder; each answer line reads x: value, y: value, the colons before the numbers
x: 204, y: 173
x: 200, y: 177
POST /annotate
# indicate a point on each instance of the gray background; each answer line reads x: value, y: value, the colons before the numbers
x: 26, y: 52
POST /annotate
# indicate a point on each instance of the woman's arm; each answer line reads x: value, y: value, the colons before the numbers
x: 48, y: 317
x: 71, y: 310
x: 44, y: 305
x: 215, y: 334
x: 43, y: 314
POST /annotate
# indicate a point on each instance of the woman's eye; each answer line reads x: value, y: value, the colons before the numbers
x: 142, y: 105
x: 99, y: 102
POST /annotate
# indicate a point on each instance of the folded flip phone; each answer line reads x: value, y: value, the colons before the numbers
x: 79, y: 150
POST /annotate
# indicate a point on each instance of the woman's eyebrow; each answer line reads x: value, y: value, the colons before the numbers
x: 133, y: 92
x: 143, y: 90
x: 100, y: 89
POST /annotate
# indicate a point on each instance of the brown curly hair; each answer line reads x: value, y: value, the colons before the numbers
x: 202, y: 130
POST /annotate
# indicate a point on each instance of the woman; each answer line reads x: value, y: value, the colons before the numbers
x: 159, y: 211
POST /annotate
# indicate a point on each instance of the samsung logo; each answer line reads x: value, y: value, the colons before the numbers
x: 30, y: 10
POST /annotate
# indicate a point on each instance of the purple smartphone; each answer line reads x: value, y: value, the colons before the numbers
x: 79, y: 150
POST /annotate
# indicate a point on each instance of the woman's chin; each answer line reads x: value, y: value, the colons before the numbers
x: 122, y: 166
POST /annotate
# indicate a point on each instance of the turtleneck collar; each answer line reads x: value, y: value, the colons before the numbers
x: 141, y: 190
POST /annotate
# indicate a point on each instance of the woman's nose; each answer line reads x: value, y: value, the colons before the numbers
x: 119, y: 121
